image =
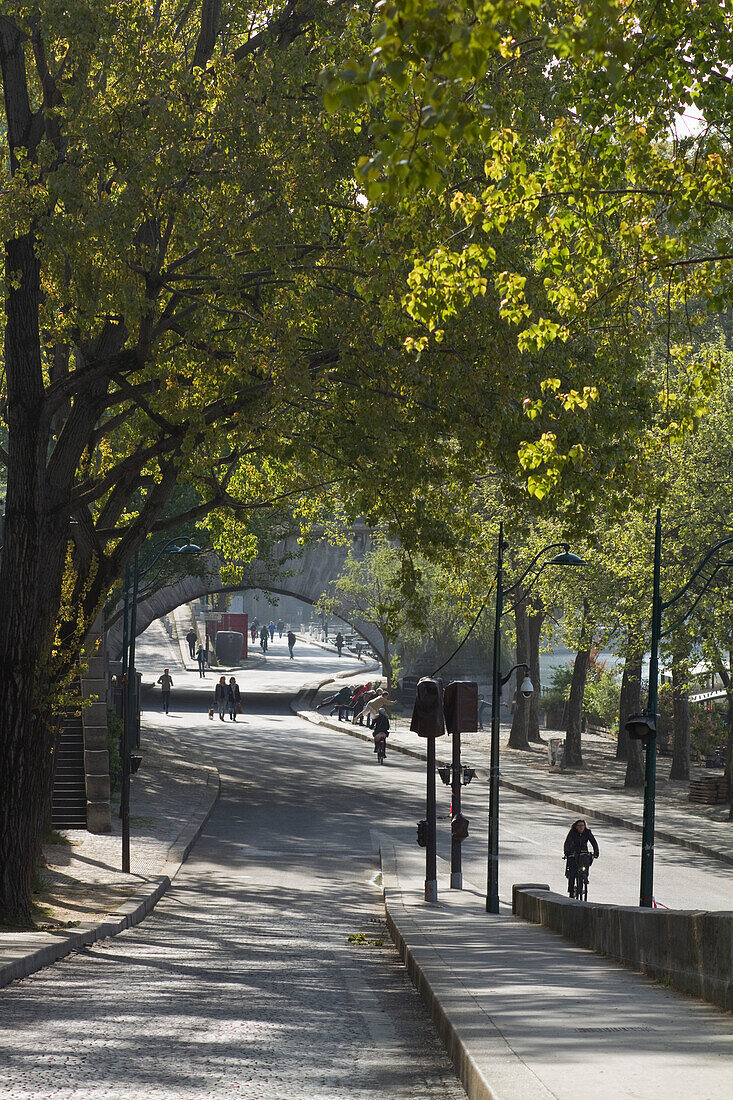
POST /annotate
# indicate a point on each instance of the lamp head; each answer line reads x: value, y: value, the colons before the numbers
x: 641, y: 727
x: 567, y: 557
x: 187, y: 548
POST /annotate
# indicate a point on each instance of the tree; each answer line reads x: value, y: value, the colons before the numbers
x: 550, y: 131
x: 371, y: 588
x: 183, y: 308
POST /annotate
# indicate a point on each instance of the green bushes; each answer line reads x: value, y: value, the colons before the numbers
x: 601, y: 698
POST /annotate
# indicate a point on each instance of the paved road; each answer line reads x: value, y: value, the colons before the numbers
x: 242, y: 983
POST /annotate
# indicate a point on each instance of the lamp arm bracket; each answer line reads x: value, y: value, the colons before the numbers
x: 713, y: 550
x: 521, y: 664
x: 551, y: 546
x: 671, y: 629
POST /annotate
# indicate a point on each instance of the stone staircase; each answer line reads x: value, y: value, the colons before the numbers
x: 69, y: 800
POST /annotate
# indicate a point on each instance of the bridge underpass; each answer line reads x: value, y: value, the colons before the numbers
x: 303, y: 572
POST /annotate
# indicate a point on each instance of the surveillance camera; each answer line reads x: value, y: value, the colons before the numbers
x: 527, y: 687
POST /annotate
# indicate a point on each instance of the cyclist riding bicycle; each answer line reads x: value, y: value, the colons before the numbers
x: 380, y: 729
x: 577, y: 841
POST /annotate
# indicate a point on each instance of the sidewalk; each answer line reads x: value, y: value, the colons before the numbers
x: 596, y: 791
x: 87, y: 897
x: 526, y: 1015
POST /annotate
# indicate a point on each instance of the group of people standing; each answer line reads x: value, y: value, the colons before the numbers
x: 358, y: 704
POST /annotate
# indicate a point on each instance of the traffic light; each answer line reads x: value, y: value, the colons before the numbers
x: 427, y: 713
x: 460, y: 704
x: 422, y: 833
x: 459, y: 827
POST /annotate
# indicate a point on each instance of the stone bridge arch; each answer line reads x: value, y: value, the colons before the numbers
x: 303, y: 572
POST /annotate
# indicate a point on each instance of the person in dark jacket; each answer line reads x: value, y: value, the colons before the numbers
x: 380, y: 729
x: 577, y: 841
x: 233, y: 697
x: 291, y: 642
x: 338, y: 702
x: 339, y: 642
x: 201, y: 661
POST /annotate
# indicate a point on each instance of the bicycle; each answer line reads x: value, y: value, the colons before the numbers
x: 583, y: 861
x: 381, y: 747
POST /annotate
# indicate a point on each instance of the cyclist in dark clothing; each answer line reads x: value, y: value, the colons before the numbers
x: 577, y: 841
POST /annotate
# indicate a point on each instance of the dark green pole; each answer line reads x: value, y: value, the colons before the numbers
x: 456, y: 859
x: 492, y: 888
x: 128, y: 717
x: 646, y: 894
x: 431, y: 859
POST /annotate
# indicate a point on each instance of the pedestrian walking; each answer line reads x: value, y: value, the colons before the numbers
x: 359, y: 647
x: 166, y: 683
x: 264, y: 636
x: 233, y: 699
x: 280, y: 628
x: 291, y: 643
x: 221, y: 697
x: 271, y: 628
x: 253, y: 632
x: 482, y: 706
x: 207, y: 646
x: 191, y: 639
x: 339, y: 642
x: 201, y: 661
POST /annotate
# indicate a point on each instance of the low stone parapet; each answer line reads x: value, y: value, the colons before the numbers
x: 689, y: 950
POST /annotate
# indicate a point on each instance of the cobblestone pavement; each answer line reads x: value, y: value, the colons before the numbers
x: 243, y: 982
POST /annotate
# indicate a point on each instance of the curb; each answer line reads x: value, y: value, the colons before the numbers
x: 131, y: 912
x: 529, y: 792
x: 452, y: 1008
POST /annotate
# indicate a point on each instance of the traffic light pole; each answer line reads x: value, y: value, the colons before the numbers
x: 456, y: 864
x: 431, y: 862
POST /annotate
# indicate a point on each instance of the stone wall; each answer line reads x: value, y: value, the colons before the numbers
x: 689, y: 950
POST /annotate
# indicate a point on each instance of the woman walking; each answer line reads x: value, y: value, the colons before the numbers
x: 233, y: 698
x: 221, y: 696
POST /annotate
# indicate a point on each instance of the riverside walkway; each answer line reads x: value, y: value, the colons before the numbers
x: 266, y: 969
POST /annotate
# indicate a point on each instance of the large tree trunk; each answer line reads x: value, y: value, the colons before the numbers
x: 534, y: 623
x: 622, y: 745
x: 518, y: 736
x: 573, y: 731
x: 631, y: 704
x: 28, y: 569
x: 680, y: 723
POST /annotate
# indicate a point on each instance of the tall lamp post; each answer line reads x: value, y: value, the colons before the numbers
x: 643, y: 727
x: 563, y: 558
x: 129, y: 630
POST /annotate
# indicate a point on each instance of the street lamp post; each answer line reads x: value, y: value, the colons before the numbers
x: 129, y: 632
x: 643, y: 727
x: 564, y: 558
